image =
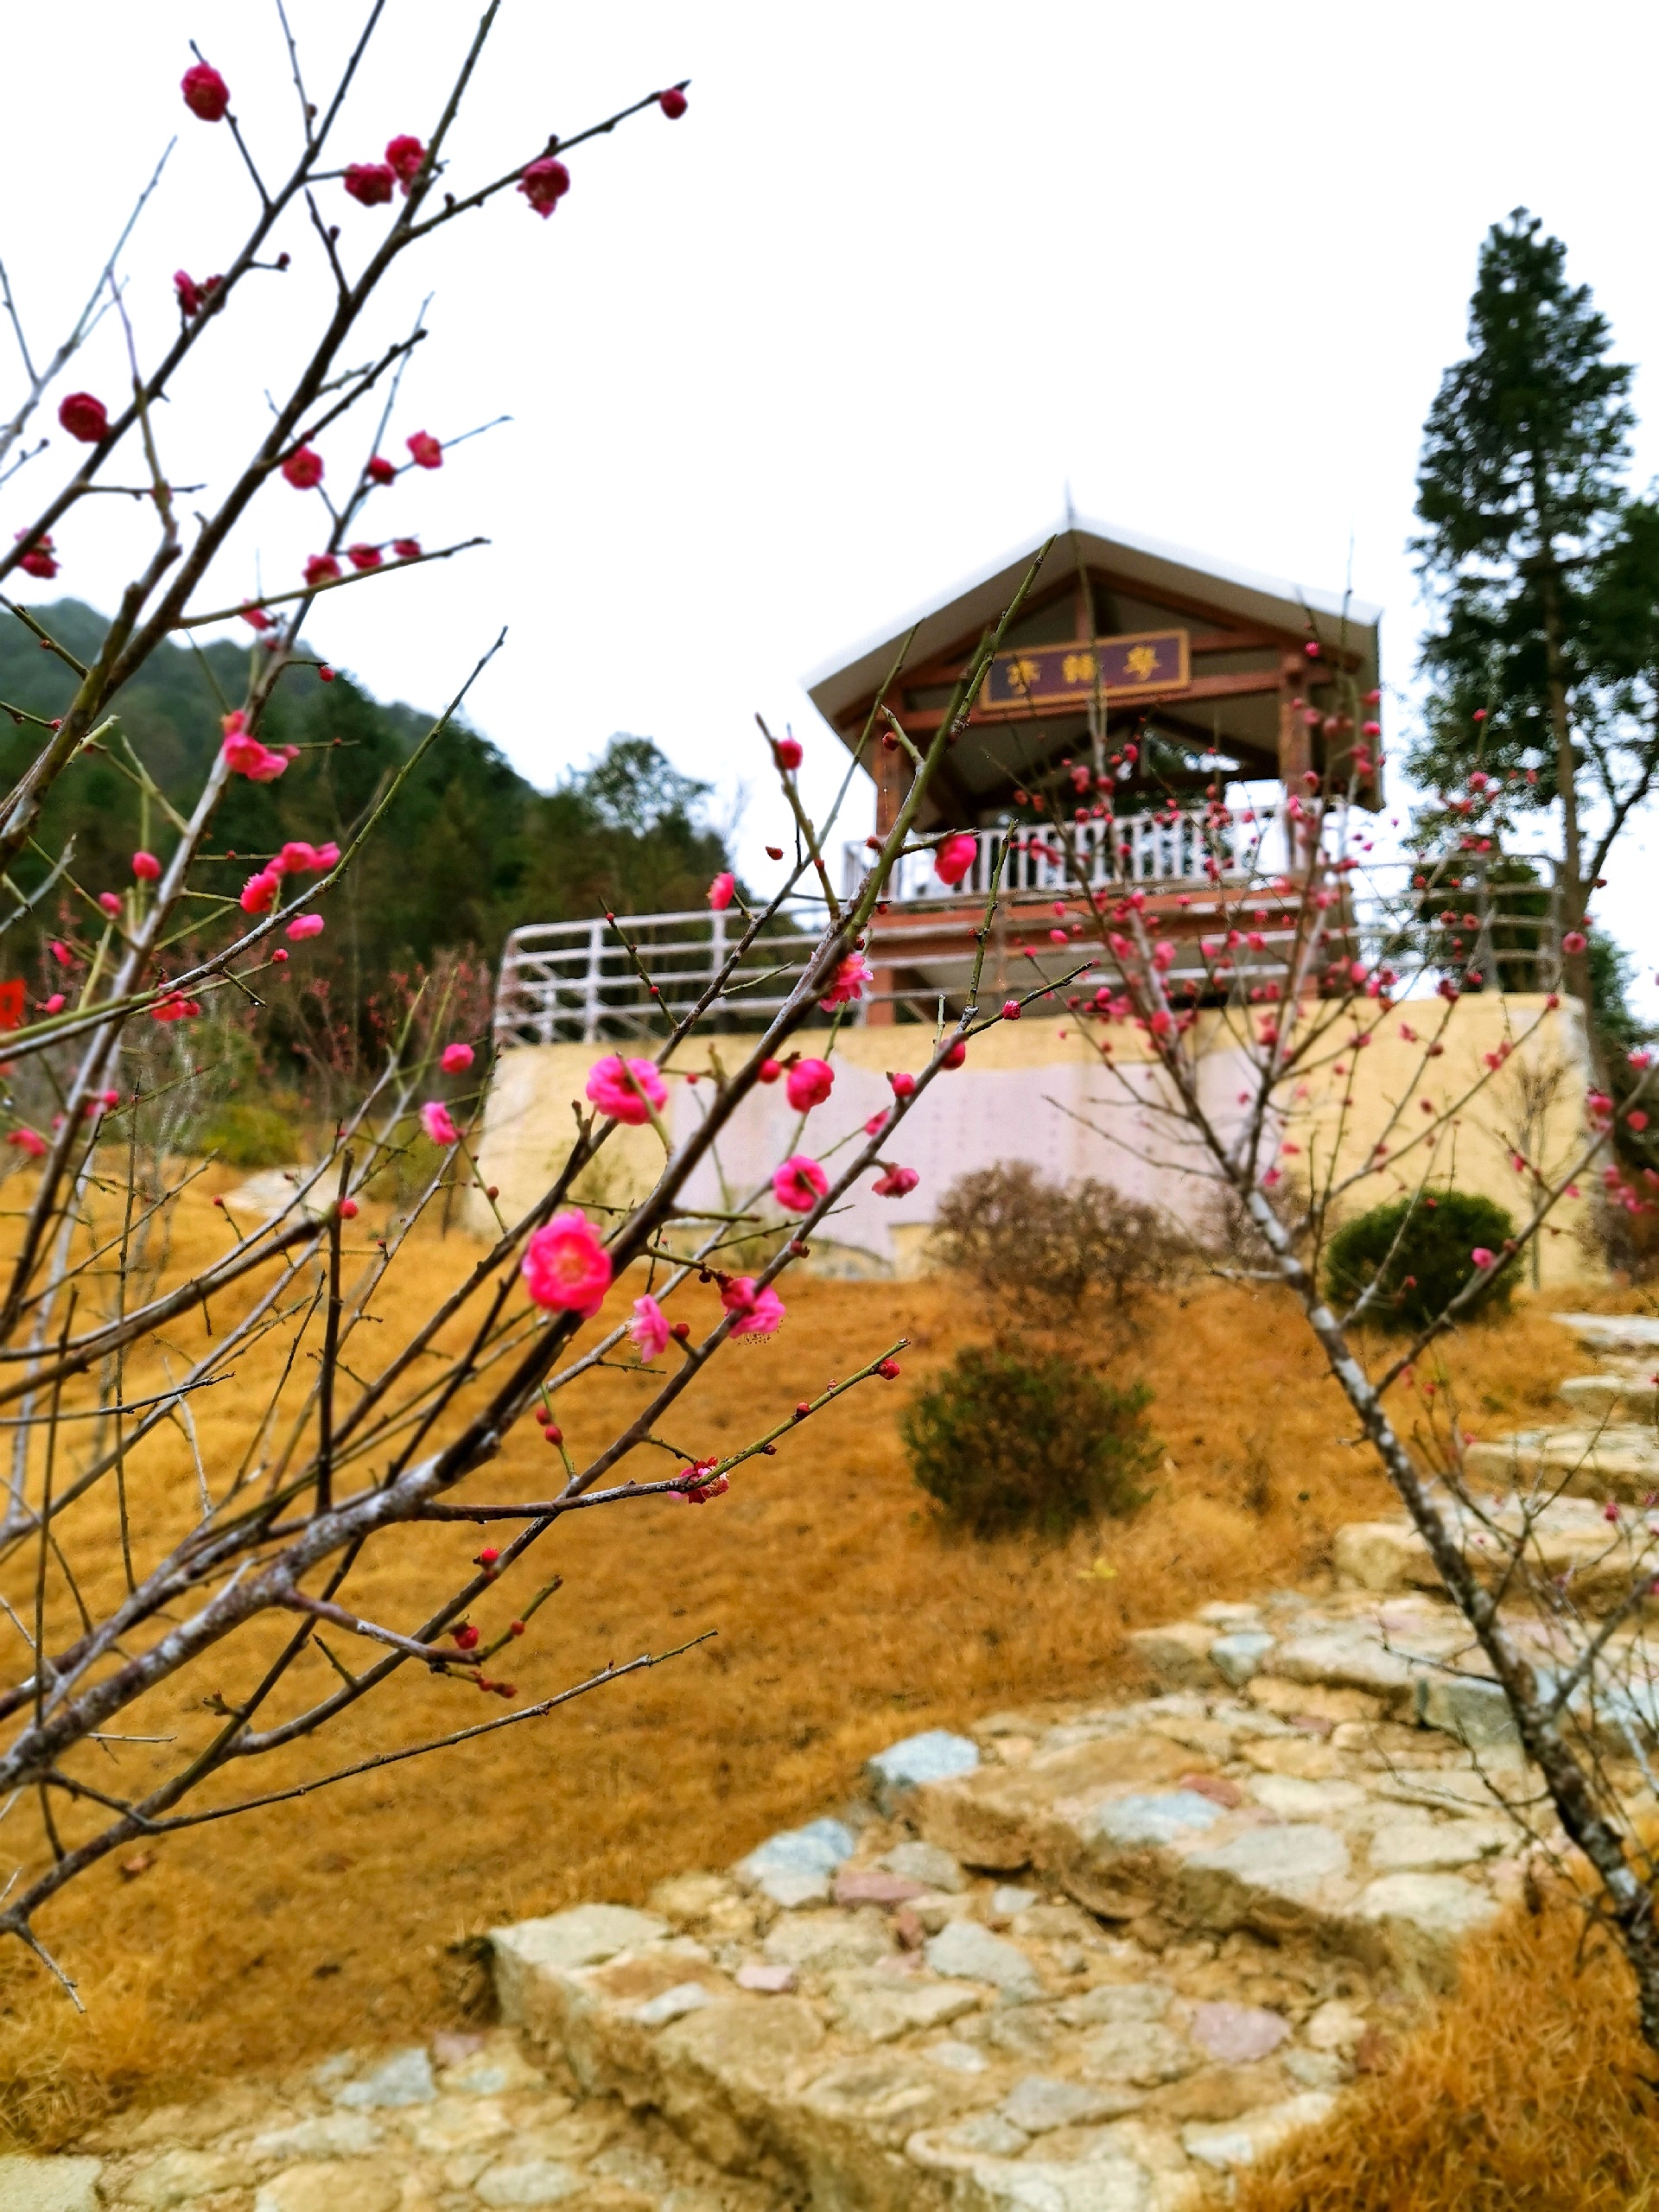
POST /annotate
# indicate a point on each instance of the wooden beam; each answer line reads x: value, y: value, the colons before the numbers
x: 1248, y: 683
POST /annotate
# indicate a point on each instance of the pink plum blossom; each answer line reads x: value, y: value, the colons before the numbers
x: 759, y: 1311
x: 953, y: 859
x: 435, y: 1120
x: 800, y: 1183
x: 895, y: 1182
x: 850, y: 978
x: 566, y: 1266
x: 304, y: 925
x: 27, y: 1140
x: 260, y: 892
x: 808, y: 1084
x: 649, y: 1328
x: 1482, y: 1258
x: 456, y: 1058
x: 609, y: 1088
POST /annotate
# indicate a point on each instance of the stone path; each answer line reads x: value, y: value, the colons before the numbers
x: 1093, y: 1958
x: 1613, y: 1449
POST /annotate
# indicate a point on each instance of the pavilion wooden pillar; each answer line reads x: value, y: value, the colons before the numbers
x: 1295, y: 737
x: 893, y: 773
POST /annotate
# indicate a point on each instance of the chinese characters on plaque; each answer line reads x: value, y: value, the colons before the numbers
x: 1070, y: 676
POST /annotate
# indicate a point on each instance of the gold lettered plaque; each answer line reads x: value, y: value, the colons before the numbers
x: 1043, y: 679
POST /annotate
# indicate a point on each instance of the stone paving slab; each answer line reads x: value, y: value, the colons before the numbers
x: 1613, y: 1333
x: 1634, y: 1397
x: 1606, y: 1460
x: 469, y: 2121
x: 1568, y: 1536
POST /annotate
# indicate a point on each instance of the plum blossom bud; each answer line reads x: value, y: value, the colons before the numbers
x: 363, y: 556
x: 303, y: 468
x: 146, y: 867
x: 543, y: 184
x: 904, y: 1086
x: 304, y: 925
x: 456, y: 1058
x: 111, y: 902
x: 205, y: 93
x: 957, y: 1054
x: 1010, y: 1009
x: 85, y: 417
x: 404, y: 155
x: 407, y: 548
x: 369, y: 183
x: 38, y: 558
x: 380, y: 470
x: 1574, y: 941
x: 789, y: 753
x: 672, y: 103
x: 322, y: 569
x: 1483, y: 1258
x: 720, y: 890
x: 769, y: 1070
x: 424, y: 451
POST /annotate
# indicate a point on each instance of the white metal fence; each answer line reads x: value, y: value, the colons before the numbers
x: 1142, y: 848
x: 588, y: 981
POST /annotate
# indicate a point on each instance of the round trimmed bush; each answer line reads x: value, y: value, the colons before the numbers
x: 1006, y: 1439
x: 1413, y: 1255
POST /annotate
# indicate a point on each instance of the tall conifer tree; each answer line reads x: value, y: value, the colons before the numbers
x: 1521, y: 499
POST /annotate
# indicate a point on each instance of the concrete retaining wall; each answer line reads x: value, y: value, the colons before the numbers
x: 1035, y: 1091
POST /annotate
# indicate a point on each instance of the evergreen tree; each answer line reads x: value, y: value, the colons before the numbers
x: 1528, y: 539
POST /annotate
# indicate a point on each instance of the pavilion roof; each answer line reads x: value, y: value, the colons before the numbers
x: 1149, y: 566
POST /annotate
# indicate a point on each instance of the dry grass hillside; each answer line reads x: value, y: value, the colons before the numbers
x: 845, y: 1619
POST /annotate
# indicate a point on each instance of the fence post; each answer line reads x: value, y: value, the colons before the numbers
x: 590, y: 984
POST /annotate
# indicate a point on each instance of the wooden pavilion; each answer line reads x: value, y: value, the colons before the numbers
x: 1161, y: 672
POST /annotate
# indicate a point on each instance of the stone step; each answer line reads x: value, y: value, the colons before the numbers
x: 1614, y: 1332
x: 474, y: 2121
x: 1609, y: 1396
x: 936, y: 2038
x: 1621, y: 1462
x: 1565, y: 1536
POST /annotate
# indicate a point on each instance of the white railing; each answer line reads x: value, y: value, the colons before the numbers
x: 1143, y: 848
x: 563, y: 980
x: 570, y: 981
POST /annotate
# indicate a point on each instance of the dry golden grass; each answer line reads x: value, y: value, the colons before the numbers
x: 1530, y: 2091
x: 845, y: 1619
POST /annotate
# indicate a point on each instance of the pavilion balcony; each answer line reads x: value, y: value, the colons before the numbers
x: 1168, y: 849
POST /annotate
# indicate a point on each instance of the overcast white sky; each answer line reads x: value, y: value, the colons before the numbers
x: 782, y: 368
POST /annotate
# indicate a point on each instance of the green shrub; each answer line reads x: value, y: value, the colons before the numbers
x: 245, y: 1136
x: 1416, y: 1253
x: 1008, y: 1438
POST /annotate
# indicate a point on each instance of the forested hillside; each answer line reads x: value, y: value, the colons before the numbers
x: 469, y: 851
